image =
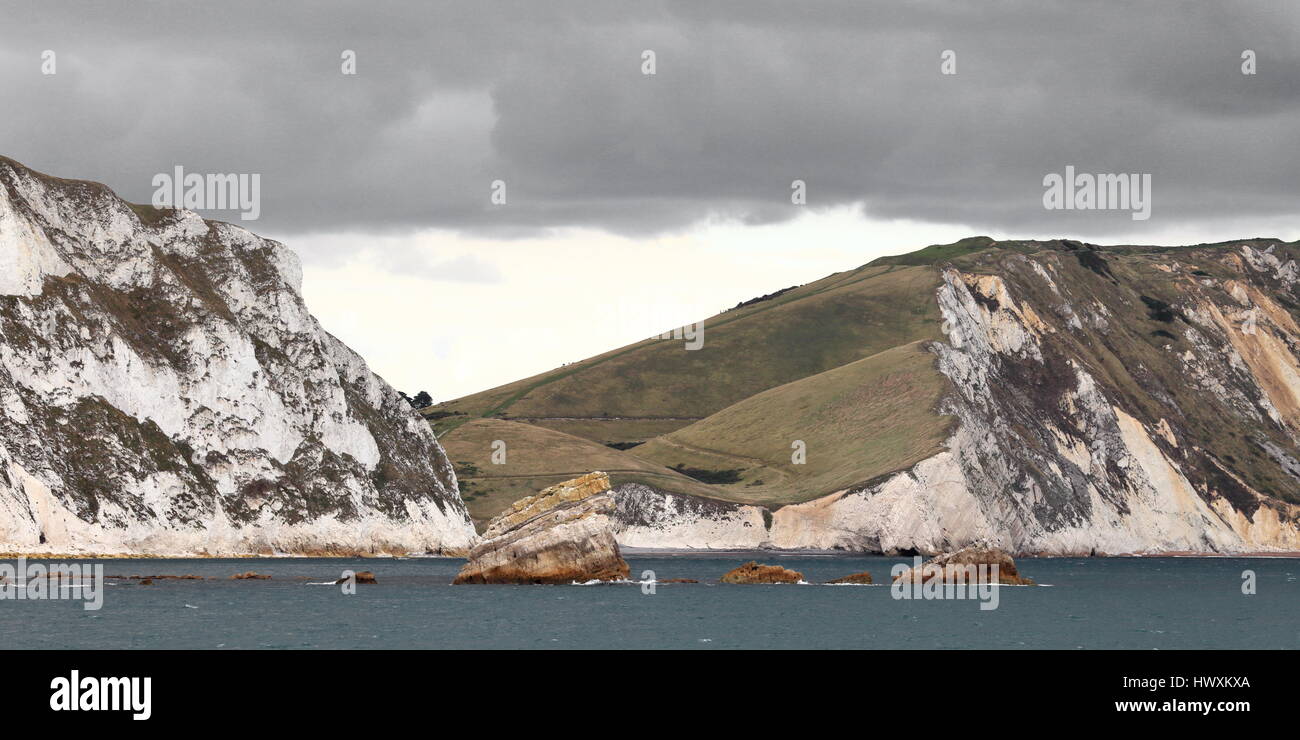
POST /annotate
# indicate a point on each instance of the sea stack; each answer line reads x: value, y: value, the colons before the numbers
x: 562, y: 535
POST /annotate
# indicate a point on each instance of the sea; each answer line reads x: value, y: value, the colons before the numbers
x: 1081, y: 603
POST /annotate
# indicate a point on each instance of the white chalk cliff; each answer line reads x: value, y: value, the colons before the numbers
x: 164, y: 390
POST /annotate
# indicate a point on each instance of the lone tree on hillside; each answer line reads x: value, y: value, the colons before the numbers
x: 421, y: 400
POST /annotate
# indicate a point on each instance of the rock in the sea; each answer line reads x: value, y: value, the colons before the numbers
x: 364, y: 576
x: 250, y: 576
x: 561, y: 535
x: 968, y: 565
x: 863, y: 578
x: 752, y: 572
x: 164, y: 391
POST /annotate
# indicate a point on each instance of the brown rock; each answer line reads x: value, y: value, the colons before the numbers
x: 364, y: 576
x: 561, y: 535
x: 249, y: 576
x: 752, y: 572
x: 146, y: 582
x: 862, y: 578
x: 676, y: 580
x: 964, y: 566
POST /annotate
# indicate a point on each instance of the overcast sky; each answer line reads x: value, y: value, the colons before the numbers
x: 636, y: 201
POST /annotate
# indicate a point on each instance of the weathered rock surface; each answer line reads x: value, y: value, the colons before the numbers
x: 649, y: 518
x: 562, y: 535
x: 164, y: 391
x: 968, y: 565
x: 528, y: 507
x: 862, y: 579
x: 752, y: 572
x: 1179, y: 445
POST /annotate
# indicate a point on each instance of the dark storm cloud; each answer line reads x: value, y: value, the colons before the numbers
x: 550, y: 98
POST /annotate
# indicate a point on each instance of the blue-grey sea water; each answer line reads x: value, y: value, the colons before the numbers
x: 1089, y: 603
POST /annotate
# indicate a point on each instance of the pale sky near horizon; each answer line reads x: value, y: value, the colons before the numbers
x: 639, y: 202
x: 522, y: 307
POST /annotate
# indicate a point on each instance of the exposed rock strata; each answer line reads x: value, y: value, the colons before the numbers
x: 164, y: 391
x: 647, y: 517
x: 562, y: 535
x: 1046, y: 457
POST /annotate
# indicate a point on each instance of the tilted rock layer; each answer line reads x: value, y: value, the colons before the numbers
x: 164, y: 390
x: 557, y: 495
x: 562, y: 535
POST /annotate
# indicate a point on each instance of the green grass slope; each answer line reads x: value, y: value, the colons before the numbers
x: 857, y: 422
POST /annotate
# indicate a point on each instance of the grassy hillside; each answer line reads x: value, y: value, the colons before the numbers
x: 936, y: 253
x: 655, y: 386
x: 836, y: 363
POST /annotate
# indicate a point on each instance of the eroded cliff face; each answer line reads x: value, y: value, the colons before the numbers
x: 1141, y: 401
x: 652, y: 519
x: 164, y: 391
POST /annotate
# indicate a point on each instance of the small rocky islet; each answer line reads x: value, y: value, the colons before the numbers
x: 976, y: 564
x: 562, y: 535
x: 752, y: 572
